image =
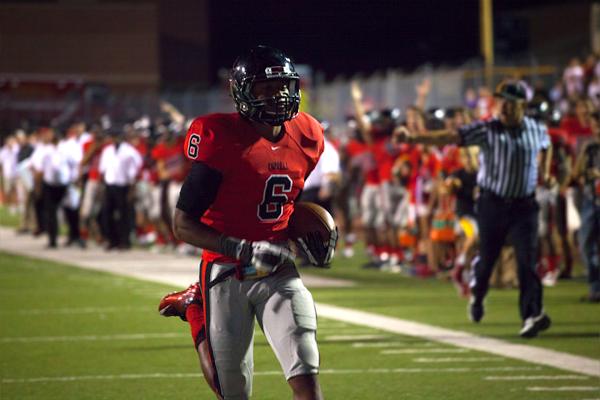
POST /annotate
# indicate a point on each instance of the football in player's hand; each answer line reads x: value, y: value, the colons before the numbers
x: 314, y: 230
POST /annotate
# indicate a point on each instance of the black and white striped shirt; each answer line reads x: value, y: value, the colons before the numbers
x: 508, y: 157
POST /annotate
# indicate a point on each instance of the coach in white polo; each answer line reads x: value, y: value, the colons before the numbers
x: 320, y: 184
x: 50, y: 163
x: 119, y: 165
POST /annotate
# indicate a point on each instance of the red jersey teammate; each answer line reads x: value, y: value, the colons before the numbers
x: 235, y: 203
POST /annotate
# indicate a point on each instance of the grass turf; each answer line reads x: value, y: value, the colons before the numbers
x: 68, y: 333
x: 7, y: 218
x: 575, y: 329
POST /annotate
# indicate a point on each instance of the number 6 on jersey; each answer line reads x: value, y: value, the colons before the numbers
x: 274, y: 197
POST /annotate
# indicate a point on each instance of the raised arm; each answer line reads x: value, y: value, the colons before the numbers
x: 422, y: 91
x: 440, y: 137
x: 173, y: 112
x: 364, y: 125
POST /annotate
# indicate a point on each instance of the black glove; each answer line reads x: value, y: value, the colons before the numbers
x: 319, y: 253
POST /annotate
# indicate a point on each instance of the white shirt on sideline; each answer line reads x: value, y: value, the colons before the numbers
x: 52, y: 160
x: 120, y: 166
x: 75, y: 151
x: 8, y: 160
x: 329, y: 163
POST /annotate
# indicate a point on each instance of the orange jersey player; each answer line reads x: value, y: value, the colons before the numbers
x: 248, y: 169
x: 267, y: 175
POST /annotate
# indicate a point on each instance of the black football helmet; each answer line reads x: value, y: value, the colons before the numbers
x: 263, y: 63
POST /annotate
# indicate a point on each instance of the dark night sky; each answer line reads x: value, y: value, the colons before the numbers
x: 345, y: 37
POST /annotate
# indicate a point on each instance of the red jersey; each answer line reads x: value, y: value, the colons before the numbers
x: 354, y: 148
x: 371, y: 172
x: 450, y: 159
x: 425, y: 166
x: 174, y: 160
x: 147, y: 171
x: 373, y: 159
x: 575, y: 129
x: 384, y: 158
x: 260, y: 179
x: 93, y: 173
x: 563, y: 153
x: 364, y: 156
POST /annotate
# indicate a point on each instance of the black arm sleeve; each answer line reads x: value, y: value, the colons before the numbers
x: 199, y: 189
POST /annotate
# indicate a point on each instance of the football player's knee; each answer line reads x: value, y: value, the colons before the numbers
x: 368, y: 219
x: 303, y: 310
x: 380, y: 221
x: 305, y: 353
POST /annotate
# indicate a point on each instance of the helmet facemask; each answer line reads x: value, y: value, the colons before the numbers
x: 273, y: 110
x: 260, y: 65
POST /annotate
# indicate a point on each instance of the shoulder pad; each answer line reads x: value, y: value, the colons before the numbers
x: 206, y: 138
x: 308, y: 132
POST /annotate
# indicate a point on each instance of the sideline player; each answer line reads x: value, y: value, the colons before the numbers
x: 248, y: 169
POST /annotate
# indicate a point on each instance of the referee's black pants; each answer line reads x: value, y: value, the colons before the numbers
x: 517, y: 219
x: 117, y: 216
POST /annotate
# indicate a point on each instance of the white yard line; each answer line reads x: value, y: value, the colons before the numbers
x: 180, y: 271
x: 564, y: 389
x: 536, y: 378
x: 68, y: 310
x: 261, y: 373
x: 423, y: 350
x: 390, y: 344
x: 349, y: 338
x: 92, y: 338
x: 532, y: 354
x: 356, y: 330
x: 436, y: 360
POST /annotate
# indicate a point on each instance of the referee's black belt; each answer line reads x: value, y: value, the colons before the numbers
x: 507, y: 200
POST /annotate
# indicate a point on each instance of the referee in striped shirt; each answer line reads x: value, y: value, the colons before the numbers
x: 515, y: 149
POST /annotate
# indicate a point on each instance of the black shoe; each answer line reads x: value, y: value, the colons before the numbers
x: 564, y: 275
x: 590, y: 298
x: 372, y: 265
x: 534, y: 325
x: 476, y: 309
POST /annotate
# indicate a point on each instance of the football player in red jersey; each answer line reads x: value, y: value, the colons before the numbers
x: 248, y: 169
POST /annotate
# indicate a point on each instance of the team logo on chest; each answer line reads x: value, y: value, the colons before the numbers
x: 278, y: 166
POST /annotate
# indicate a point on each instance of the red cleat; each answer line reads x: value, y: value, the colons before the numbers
x: 460, y: 283
x: 175, y: 304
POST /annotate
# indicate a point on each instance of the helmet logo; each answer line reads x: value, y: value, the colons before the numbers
x: 277, y: 70
x: 260, y: 64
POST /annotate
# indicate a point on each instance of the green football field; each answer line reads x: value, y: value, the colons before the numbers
x: 68, y: 333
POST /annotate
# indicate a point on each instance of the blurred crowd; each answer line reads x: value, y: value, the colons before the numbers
x: 111, y: 183
x: 413, y: 206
